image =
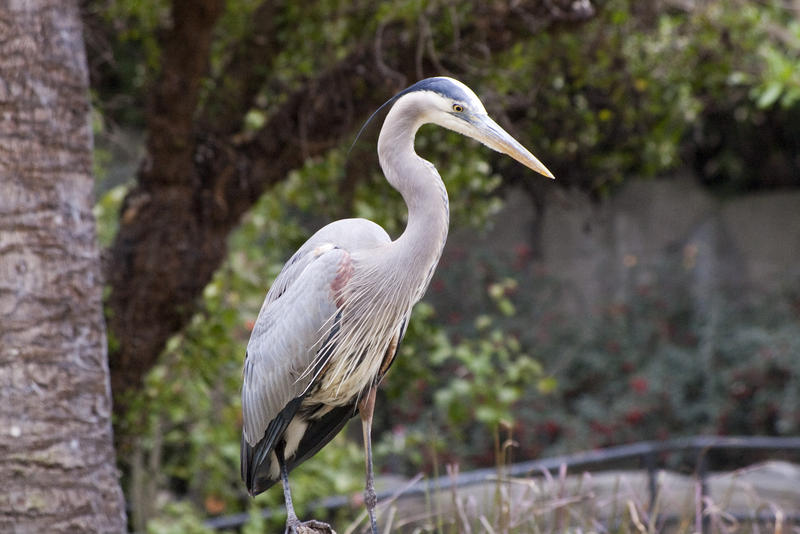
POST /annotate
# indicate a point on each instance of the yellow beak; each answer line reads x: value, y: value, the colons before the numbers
x: 492, y: 135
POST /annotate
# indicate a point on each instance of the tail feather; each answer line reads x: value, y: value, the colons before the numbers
x: 256, y: 461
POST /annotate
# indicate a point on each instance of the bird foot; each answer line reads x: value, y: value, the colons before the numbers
x: 311, y: 526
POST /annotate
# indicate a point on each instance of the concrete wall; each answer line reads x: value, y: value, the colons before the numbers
x: 603, y: 251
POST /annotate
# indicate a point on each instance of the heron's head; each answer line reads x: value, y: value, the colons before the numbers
x: 452, y: 105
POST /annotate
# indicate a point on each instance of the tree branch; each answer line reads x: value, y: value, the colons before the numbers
x: 245, y: 73
x: 158, y: 225
x: 170, y: 114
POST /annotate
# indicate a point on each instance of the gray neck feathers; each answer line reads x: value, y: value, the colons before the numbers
x: 418, y: 249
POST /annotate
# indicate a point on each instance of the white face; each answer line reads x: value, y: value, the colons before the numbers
x: 454, y: 110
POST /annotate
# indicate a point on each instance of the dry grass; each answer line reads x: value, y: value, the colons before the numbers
x: 604, y: 502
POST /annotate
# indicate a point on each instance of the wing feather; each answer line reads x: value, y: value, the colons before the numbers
x: 298, y: 317
x: 284, y: 342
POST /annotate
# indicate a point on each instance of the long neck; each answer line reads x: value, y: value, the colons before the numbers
x: 421, y: 186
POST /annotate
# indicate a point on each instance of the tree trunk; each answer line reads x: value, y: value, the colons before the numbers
x: 57, y: 464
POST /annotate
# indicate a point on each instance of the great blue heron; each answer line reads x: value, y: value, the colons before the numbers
x: 331, y: 322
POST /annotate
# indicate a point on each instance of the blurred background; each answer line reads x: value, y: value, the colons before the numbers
x: 652, y: 291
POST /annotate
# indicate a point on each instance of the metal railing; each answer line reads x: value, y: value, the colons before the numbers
x: 647, y: 452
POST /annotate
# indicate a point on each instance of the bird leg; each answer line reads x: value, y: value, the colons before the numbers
x: 366, y: 406
x: 293, y: 524
x: 291, y: 517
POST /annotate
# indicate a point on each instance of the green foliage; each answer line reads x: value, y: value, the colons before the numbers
x: 780, y: 80
x: 256, y: 524
x: 178, y: 518
x: 106, y: 213
x: 488, y: 374
x: 137, y: 22
x: 630, y: 93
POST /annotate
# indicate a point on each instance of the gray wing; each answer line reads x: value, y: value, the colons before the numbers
x: 285, y: 340
x: 293, y: 320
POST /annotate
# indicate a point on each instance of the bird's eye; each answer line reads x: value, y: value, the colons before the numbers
x: 458, y: 108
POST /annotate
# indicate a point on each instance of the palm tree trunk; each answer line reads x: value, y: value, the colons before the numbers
x: 57, y: 464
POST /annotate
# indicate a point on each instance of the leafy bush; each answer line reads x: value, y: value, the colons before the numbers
x: 664, y: 364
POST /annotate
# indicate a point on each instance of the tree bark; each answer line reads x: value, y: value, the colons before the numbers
x: 57, y: 464
x: 152, y: 295
x: 174, y: 224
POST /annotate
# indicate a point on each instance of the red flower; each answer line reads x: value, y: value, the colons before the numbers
x: 454, y: 318
x: 602, y: 428
x: 523, y: 254
x: 639, y: 384
x: 552, y: 429
x: 634, y: 416
x: 522, y: 250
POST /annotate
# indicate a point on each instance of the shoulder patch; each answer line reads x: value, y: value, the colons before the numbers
x: 343, y: 275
